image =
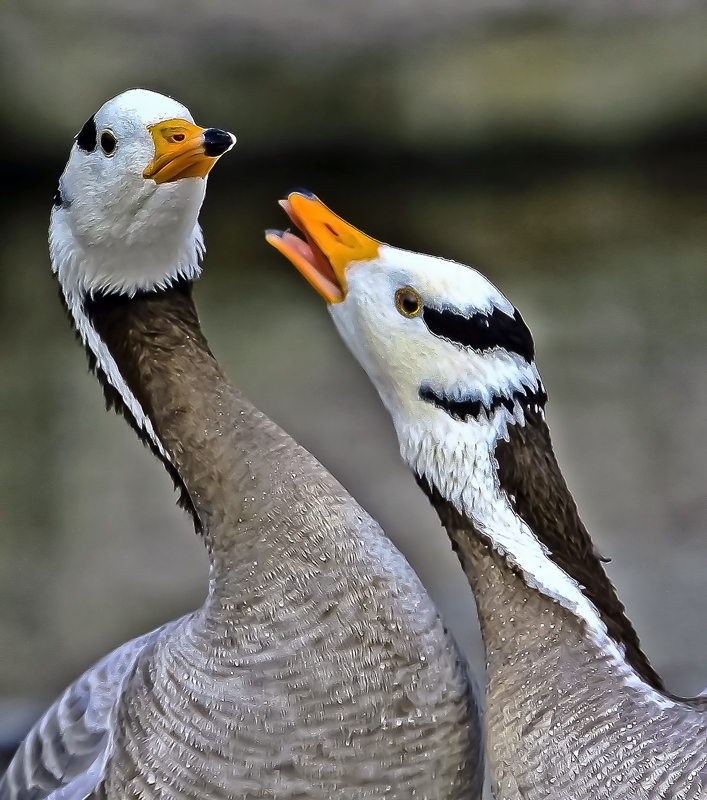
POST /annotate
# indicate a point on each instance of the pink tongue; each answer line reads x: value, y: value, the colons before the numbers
x: 300, y: 247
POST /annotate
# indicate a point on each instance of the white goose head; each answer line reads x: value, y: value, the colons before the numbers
x: 447, y: 352
x: 125, y: 212
x: 125, y: 215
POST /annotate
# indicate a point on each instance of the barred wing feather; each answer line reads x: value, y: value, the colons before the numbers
x: 64, y: 755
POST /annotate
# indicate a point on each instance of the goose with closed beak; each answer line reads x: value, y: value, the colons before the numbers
x: 317, y: 666
x: 574, y: 710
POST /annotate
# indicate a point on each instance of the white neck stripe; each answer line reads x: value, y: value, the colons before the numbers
x: 106, y: 363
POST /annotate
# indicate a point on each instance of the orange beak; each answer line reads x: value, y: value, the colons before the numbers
x: 331, y: 245
x: 184, y: 150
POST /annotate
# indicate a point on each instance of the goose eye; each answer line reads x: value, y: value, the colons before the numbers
x: 408, y: 302
x: 108, y: 142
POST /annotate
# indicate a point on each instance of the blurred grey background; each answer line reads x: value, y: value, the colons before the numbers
x: 560, y: 147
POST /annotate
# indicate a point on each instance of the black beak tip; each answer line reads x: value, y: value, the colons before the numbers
x: 217, y: 142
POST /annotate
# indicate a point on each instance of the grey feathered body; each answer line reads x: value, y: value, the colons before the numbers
x: 317, y: 667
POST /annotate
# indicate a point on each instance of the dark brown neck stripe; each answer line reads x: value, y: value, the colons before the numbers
x: 123, y: 322
x: 530, y: 476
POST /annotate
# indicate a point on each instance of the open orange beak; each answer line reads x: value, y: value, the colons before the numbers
x: 184, y: 150
x: 331, y: 245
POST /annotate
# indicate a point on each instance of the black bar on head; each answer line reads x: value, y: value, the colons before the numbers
x: 532, y: 402
x: 481, y: 331
x: 87, y: 136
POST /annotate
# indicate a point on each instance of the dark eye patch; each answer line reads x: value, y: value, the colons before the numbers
x: 481, y: 331
x: 87, y: 136
x: 462, y: 409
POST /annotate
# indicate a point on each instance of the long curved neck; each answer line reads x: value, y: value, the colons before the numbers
x: 528, y: 491
x: 234, y: 466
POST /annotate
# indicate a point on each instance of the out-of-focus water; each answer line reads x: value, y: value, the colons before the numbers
x: 609, y: 267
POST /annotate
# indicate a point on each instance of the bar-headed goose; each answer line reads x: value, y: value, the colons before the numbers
x: 317, y: 667
x: 574, y: 709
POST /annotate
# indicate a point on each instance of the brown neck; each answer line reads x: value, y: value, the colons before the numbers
x: 223, y: 453
x: 111, y: 315
x: 529, y: 475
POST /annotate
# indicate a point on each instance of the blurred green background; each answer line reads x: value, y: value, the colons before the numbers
x: 559, y: 147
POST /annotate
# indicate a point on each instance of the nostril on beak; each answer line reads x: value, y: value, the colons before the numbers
x: 217, y: 142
